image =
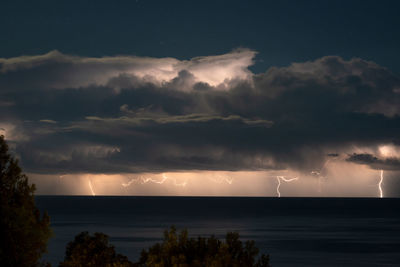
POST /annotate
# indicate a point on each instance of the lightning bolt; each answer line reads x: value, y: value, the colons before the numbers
x: 219, y: 179
x: 287, y: 180
x: 318, y: 174
x: 183, y: 184
x: 91, y: 188
x: 380, y: 185
x: 145, y: 180
x: 129, y: 182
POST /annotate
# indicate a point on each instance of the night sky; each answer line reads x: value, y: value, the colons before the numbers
x: 266, y: 98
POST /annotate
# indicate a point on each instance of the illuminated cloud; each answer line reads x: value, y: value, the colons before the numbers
x: 59, y: 71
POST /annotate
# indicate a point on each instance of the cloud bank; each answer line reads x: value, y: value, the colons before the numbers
x: 125, y: 114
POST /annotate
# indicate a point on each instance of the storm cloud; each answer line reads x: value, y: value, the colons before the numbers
x: 391, y: 163
x: 70, y: 114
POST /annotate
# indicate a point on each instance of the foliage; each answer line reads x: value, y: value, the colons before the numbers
x: 24, y: 233
x: 181, y: 251
x: 93, y: 251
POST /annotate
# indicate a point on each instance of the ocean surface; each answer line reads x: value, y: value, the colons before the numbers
x: 293, y: 231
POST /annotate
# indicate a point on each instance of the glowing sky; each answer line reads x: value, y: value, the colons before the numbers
x: 115, y: 123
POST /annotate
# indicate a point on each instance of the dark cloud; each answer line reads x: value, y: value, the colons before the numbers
x: 374, y: 162
x: 333, y: 155
x: 124, y: 114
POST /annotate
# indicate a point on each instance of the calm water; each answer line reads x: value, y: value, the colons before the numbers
x: 294, y: 231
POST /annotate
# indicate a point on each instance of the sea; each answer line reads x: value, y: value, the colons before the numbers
x: 293, y: 231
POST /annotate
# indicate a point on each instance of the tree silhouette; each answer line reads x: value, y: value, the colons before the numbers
x: 24, y: 233
x: 93, y: 251
x: 179, y: 250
